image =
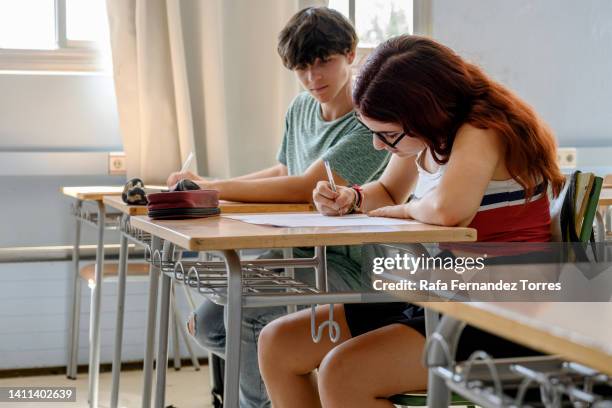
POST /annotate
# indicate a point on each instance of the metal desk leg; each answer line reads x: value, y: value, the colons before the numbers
x: 233, y: 328
x: 94, y: 366
x: 162, y: 341
x: 75, y: 312
x: 122, y: 275
x: 176, y: 340
x: 288, y: 254
x: 162, y: 336
x: 448, y: 333
x: 321, y: 268
x: 154, y: 271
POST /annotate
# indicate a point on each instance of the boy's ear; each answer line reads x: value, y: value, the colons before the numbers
x: 351, y: 56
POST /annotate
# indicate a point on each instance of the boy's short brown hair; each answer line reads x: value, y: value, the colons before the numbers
x: 315, y: 32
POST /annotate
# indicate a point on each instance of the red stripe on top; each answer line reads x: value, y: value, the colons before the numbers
x: 524, y: 222
x: 529, y: 222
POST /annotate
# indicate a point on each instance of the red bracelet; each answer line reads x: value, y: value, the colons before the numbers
x: 359, y: 199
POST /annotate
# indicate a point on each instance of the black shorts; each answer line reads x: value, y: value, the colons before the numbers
x: 365, y: 317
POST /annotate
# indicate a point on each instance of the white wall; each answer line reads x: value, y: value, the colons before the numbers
x: 556, y: 54
x: 42, y: 112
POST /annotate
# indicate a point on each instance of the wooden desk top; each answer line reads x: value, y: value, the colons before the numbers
x: 115, y: 201
x: 217, y: 233
x: 96, y: 193
x: 226, y: 207
x: 605, y: 197
x: 580, y: 332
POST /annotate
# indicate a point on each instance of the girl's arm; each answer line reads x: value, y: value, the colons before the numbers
x: 475, y: 156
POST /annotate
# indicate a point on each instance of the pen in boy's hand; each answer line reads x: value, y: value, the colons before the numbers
x: 187, y: 163
x: 330, y: 176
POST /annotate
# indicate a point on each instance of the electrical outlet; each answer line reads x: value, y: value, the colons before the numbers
x: 116, y: 163
x: 566, y: 157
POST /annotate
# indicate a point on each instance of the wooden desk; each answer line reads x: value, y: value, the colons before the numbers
x: 605, y: 197
x: 97, y: 193
x: 93, y: 194
x: 226, y: 207
x: 607, y: 182
x: 228, y: 236
x: 220, y: 233
x: 580, y: 332
x: 129, y: 211
x: 83, y: 194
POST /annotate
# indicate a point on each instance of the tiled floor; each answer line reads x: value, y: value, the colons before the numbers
x: 186, y: 388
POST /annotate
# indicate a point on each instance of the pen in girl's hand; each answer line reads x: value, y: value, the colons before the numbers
x: 330, y: 175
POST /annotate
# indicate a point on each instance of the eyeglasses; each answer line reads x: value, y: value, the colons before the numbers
x: 382, y: 136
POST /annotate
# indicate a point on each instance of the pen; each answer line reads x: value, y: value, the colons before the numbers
x: 187, y: 162
x: 330, y: 175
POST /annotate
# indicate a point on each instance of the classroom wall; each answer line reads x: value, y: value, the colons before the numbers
x: 58, y: 111
x: 556, y: 54
x: 41, y: 116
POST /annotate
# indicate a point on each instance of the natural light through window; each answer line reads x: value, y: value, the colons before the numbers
x: 27, y: 24
x: 378, y: 20
x: 86, y: 20
x: 54, y: 35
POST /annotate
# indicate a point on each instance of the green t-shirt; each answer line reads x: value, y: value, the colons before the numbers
x: 347, y: 145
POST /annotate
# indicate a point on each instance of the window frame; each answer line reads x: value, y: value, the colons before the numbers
x: 421, y: 25
x: 70, y: 55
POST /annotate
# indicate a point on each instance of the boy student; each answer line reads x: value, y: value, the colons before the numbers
x: 318, y: 44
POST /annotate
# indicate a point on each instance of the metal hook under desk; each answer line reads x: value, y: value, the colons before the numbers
x: 317, y: 332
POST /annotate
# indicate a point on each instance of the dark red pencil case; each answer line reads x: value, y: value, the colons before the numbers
x: 183, y: 204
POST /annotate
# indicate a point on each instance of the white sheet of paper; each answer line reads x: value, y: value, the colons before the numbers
x: 294, y: 220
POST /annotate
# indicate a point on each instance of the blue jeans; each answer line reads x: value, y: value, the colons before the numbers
x: 210, y: 333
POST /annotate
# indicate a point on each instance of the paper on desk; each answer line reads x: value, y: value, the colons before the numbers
x: 294, y: 220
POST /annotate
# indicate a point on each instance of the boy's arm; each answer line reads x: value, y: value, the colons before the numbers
x: 280, y: 189
x: 274, y: 171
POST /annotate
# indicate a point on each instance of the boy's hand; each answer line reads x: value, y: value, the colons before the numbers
x: 178, y: 176
x: 391, y: 211
x: 329, y: 202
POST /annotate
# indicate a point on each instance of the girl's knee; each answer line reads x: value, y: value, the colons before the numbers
x: 333, y: 370
x: 271, y: 343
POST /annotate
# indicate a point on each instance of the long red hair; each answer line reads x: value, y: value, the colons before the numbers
x: 431, y: 91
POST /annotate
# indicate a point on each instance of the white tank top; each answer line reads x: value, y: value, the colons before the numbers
x: 428, y: 181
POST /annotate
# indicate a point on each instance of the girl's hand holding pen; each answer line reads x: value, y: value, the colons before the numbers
x: 329, y: 202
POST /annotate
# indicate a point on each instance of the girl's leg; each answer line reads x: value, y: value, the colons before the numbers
x: 367, y: 369
x: 288, y: 357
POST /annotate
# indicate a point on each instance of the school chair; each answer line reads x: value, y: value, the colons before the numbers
x: 136, y: 272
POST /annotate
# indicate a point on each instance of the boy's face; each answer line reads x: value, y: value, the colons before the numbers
x: 324, y: 79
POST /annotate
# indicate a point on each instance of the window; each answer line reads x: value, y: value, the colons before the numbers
x: 376, y: 21
x: 54, y: 35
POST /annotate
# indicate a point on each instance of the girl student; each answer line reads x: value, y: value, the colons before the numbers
x: 466, y: 152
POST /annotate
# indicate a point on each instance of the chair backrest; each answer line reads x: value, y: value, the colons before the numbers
x: 565, y: 218
x: 556, y: 205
